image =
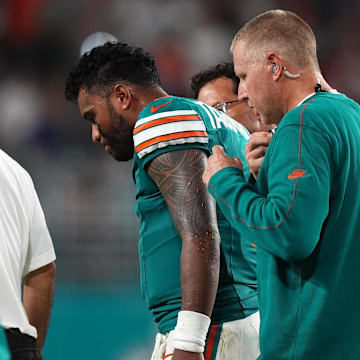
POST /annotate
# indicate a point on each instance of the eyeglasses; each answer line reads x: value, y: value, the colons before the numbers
x: 222, y: 106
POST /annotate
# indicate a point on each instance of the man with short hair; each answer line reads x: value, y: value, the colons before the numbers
x: 187, y: 274
x: 217, y: 86
x: 304, y: 210
x: 26, y: 254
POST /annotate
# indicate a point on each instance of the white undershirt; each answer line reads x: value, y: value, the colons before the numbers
x: 25, y: 242
x: 332, y: 91
x: 305, y: 98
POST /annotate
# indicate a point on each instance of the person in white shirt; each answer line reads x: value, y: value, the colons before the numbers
x: 26, y: 254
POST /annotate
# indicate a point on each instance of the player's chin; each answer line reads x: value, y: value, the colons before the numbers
x: 121, y: 156
x: 254, y: 114
x: 118, y: 153
x: 264, y: 119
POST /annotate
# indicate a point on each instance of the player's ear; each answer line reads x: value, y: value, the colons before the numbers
x: 121, y: 96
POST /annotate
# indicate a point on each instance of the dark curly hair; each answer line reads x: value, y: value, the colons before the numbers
x: 105, y: 65
x: 211, y: 73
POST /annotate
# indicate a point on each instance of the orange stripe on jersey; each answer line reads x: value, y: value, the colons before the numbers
x: 211, y: 342
x: 184, y: 134
x: 164, y: 121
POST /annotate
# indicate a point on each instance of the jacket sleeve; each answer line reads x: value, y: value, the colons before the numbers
x: 286, y: 215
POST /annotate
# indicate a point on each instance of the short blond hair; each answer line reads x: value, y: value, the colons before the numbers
x: 281, y: 32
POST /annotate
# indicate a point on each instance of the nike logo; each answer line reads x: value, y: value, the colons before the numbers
x: 156, y: 108
x: 166, y: 355
x: 296, y: 174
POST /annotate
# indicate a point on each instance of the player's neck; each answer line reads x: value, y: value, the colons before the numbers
x: 149, y: 95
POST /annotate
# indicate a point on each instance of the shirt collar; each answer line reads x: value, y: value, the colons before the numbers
x: 305, y: 98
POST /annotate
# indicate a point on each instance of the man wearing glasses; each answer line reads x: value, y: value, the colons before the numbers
x: 217, y: 86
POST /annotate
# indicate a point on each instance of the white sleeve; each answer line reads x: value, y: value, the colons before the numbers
x: 168, y: 128
x: 40, y: 248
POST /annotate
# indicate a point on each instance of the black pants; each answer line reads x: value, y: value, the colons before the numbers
x: 22, y: 346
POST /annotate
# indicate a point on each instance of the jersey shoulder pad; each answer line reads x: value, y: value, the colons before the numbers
x: 165, y: 123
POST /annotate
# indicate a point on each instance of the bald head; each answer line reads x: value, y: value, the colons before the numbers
x: 281, y: 32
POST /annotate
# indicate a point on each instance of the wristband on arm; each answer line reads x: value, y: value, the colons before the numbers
x: 191, y: 330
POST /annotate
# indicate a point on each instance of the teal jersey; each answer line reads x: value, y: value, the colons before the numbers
x: 170, y: 124
x: 4, y: 351
x: 303, y: 215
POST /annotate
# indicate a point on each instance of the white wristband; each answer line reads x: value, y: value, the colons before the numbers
x: 190, y: 332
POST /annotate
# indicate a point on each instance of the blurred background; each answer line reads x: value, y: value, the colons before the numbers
x: 87, y: 197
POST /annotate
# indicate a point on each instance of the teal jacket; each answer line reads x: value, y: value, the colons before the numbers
x: 303, y: 214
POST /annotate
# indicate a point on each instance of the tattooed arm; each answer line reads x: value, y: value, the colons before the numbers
x: 178, y: 176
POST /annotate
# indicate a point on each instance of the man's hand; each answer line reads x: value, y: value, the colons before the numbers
x: 186, y: 355
x: 255, y: 150
x: 217, y: 161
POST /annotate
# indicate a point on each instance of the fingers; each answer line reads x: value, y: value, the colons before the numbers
x: 217, y: 161
x: 255, y: 159
x: 259, y: 138
x: 237, y: 162
x: 256, y: 149
x: 220, y: 159
x: 218, y: 150
x: 255, y: 165
x: 255, y: 154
